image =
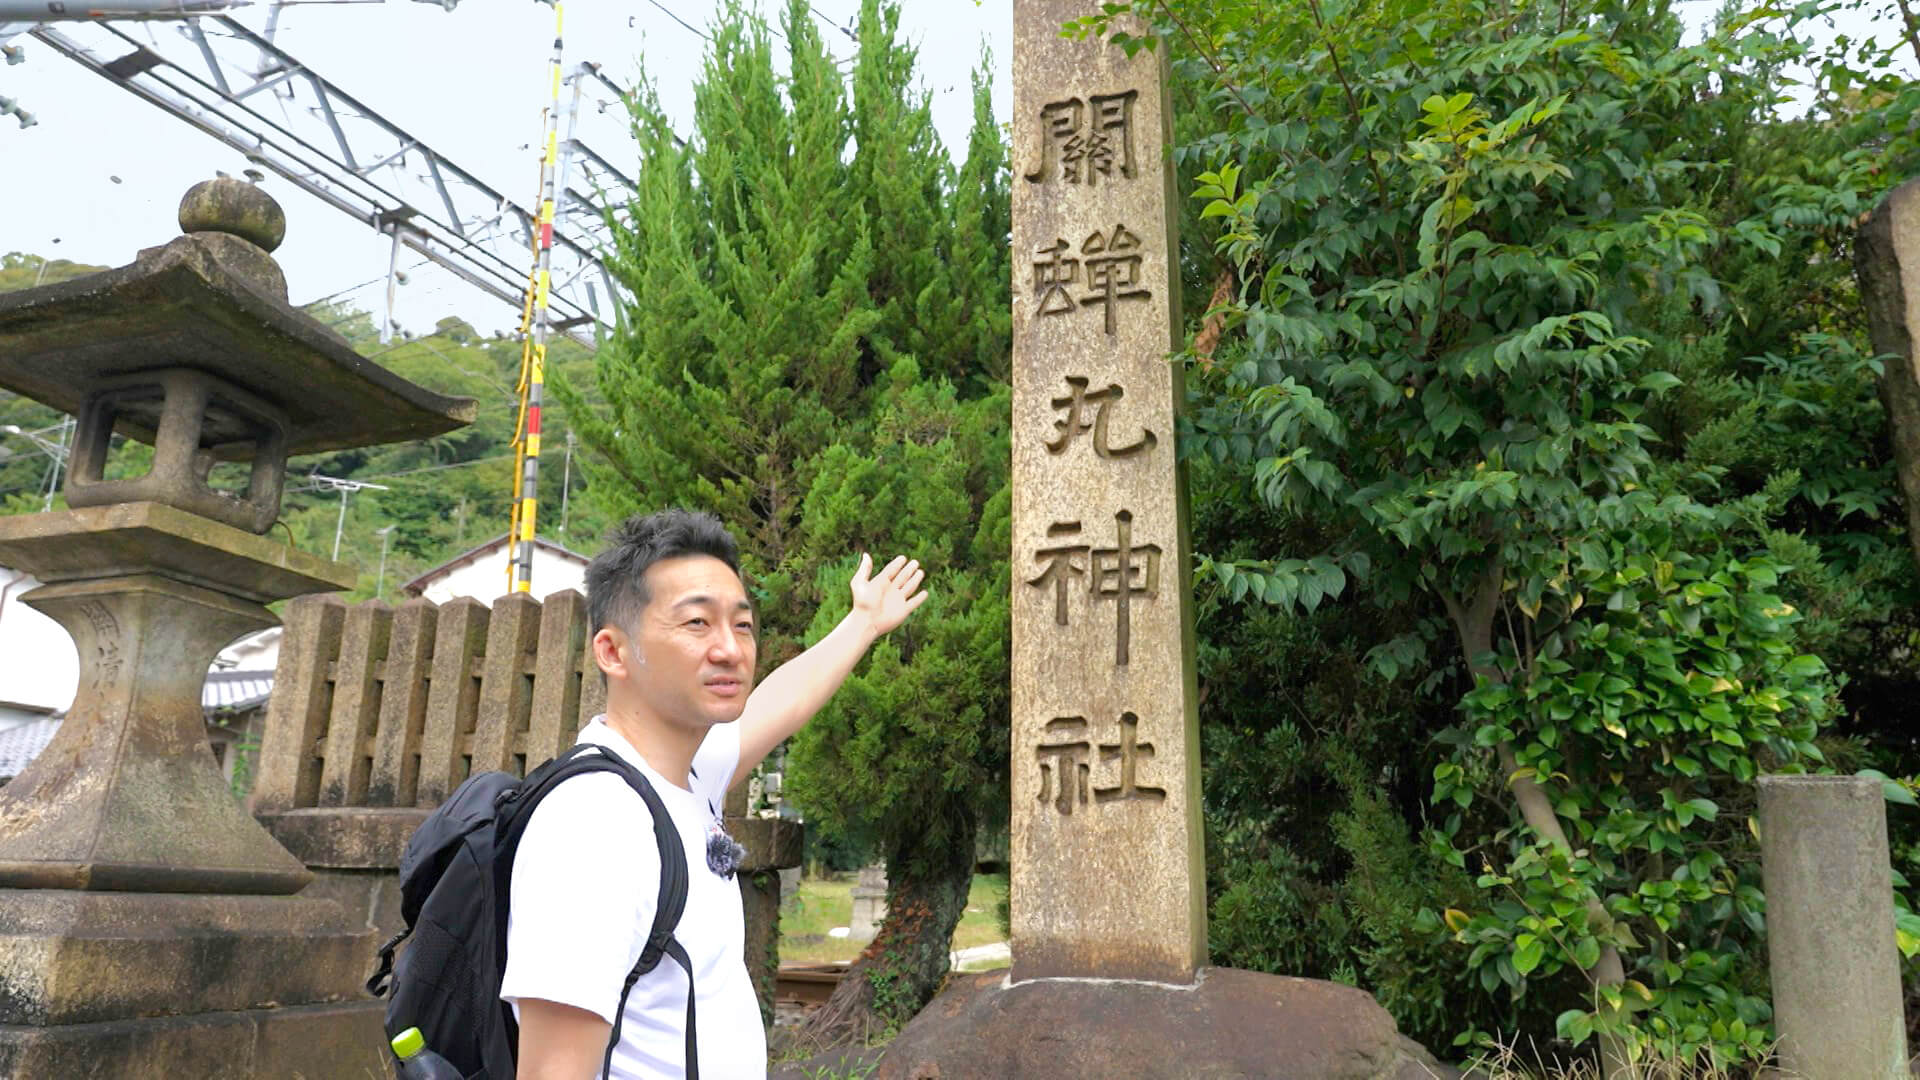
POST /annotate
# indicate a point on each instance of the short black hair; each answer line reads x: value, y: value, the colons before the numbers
x: 616, y: 579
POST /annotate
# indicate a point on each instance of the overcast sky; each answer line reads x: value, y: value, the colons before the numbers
x: 471, y: 82
x: 100, y: 176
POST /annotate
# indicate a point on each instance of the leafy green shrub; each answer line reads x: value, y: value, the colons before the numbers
x: 1652, y: 714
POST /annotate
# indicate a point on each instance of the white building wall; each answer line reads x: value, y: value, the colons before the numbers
x: 485, y: 578
x: 39, y: 667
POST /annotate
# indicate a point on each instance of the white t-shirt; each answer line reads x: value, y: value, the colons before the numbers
x: 586, y: 881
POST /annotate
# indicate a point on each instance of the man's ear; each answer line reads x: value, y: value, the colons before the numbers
x: 613, y: 652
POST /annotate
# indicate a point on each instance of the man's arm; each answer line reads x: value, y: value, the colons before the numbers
x: 560, y: 1042
x: 791, y: 695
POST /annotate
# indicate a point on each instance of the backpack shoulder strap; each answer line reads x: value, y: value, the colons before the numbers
x: 673, y: 868
x: 671, y: 905
x: 513, y: 808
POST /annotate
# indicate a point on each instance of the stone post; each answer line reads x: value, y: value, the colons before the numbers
x: 772, y: 845
x: 1887, y: 264
x: 1830, y: 936
x: 1109, y: 915
x: 1106, y: 859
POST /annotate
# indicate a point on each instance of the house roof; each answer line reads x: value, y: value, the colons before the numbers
x: 19, y: 745
x: 22, y: 743
x: 468, y: 558
x: 235, y: 690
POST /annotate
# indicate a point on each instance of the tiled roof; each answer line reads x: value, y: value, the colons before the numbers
x: 235, y: 689
x: 23, y: 743
x: 224, y: 691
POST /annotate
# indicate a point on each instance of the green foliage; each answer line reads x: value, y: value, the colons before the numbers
x: 839, y: 1072
x: 453, y: 492
x: 26, y: 469
x: 246, y: 753
x: 19, y: 270
x: 1540, y: 338
x: 1652, y: 719
x: 922, y: 725
x: 1313, y: 795
x: 818, y: 355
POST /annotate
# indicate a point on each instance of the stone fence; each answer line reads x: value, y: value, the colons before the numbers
x: 393, y: 707
x: 379, y: 712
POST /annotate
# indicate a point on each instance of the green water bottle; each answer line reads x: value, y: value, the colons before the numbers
x: 419, y: 1063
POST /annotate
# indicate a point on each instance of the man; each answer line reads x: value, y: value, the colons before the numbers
x: 675, y: 636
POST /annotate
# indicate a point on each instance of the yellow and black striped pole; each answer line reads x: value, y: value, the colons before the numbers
x: 533, y: 358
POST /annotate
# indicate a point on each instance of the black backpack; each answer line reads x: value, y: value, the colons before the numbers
x: 454, y: 880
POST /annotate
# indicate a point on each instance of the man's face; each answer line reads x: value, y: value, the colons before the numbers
x: 694, y: 647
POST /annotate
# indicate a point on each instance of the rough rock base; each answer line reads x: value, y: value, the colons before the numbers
x: 1233, y: 1024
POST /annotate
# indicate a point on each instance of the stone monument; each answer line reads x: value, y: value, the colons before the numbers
x: 148, y: 926
x: 1887, y: 264
x: 1108, y: 879
x: 1106, y: 763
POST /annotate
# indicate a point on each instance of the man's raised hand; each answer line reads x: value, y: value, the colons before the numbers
x: 887, y: 598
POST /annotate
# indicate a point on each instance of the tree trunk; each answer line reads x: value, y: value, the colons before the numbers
x: 907, y: 962
x: 1473, y: 622
x: 1885, y: 285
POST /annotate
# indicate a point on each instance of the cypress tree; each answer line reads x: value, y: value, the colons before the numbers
x: 817, y: 352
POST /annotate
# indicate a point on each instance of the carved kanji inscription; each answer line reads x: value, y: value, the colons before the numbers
x: 106, y: 637
x: 1064, y: 563
x: 1113, y: 265
x: 1130, y: 752
x: 1064, y: 756
x: 1084, y: 140
x: 1053, y: 273
x: 1075, y: 423
x: 1122, y: 572
x: 1118, y: 573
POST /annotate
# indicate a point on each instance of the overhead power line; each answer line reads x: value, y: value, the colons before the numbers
x: 370, y: 281
x: 702, y: 33
x: 245, y: 91
x: 847, y: 30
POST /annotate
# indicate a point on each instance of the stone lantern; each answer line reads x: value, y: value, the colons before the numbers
x: 144, y: 914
